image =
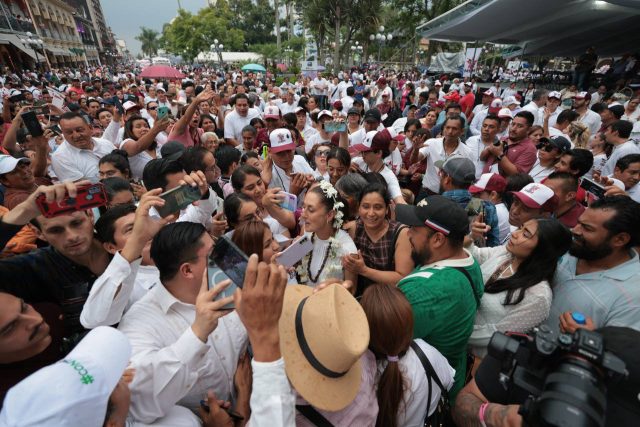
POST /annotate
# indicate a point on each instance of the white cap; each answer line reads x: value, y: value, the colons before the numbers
x: 73, y: 391
x: 299, y: 109
x: 509, y: 100
x: 325, y: 113
x: 437, y: 83
x: 281, y: 140
x: 9, y: 163
x: 129, y: 105
x: 555, y: 94
x: 496, y: 103
x: 14, y: 92
x: 505, y: 112
x: 537, y: 196
x: 271, y: 112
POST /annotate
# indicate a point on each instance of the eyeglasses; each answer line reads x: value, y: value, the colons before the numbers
x: 322, y: 153
x: 152, y: 108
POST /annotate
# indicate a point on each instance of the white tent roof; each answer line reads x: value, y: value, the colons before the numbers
x: 229, y: 56
x: 546, y: 27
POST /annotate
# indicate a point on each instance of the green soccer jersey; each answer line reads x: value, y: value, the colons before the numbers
x: 444, y: 308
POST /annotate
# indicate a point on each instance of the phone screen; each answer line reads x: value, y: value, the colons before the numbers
x: 32, y: 124
x: 163, y: 112
x: 178, y: 198
x: 227, y: 262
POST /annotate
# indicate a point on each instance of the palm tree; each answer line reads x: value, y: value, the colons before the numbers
x: 149, y: 40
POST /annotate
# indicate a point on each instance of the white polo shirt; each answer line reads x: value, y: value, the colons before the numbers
x: 434, y: 151
x: 393, y: 186
x: 71, y: 164
x: 234, y: 123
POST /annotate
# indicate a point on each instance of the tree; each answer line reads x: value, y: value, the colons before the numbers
x: 149, y: 40
x: 340, y: 20
x: 188, y: 34
x: 255, y: 20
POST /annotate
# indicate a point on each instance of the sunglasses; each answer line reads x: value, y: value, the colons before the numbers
x: 152, y: 108
x: 322, y: 153
x: 545, y: 147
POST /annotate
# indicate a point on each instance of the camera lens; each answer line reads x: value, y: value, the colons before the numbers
x: 573, y: 395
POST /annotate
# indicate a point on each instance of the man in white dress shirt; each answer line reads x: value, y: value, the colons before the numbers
x: 78, y: 156
x: 581, y: 106
x: 537, y: 102
x: 183, y: 344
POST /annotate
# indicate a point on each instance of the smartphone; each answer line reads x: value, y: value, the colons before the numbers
x: 163, y: 112
x: 592, y: 187
x: 227, y: 261
x: 40, y: 108
x: 178, y: 198
x: 335, y: 126
x: 295, y: 252
x: 116, y: 101
x: 32, y: 124
x: 290, y: 201
x: 89, y: 196
x: 56, y: 130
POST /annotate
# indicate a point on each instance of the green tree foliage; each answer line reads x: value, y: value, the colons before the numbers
x: 338, y: 21
x: 149, y: 40
x: 189, y: 34
x: 255, y: 19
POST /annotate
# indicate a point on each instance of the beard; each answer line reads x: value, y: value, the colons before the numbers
x: 420, y: 258
x: 581, y: 250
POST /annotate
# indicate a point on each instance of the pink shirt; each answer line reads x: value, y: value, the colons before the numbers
x: 186, y: 137
x: 523, y: 155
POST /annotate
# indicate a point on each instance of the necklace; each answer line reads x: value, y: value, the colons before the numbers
x: 324, y: 260
x: 508, y: 269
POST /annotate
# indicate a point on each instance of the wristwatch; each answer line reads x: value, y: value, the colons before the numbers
x: 500, y: 157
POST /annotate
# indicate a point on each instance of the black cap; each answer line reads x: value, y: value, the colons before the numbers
x: 373, y: 115
x: 353, y: 110
x: 172, y: 150
x: 436, y: 212
x: 616, y: 110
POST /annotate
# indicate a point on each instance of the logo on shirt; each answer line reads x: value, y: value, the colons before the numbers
x: 85, y: 378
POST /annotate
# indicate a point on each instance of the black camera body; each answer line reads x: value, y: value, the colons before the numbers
x: 566, y: 376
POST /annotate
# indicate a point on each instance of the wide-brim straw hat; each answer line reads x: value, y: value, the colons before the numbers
x: 322, y: 337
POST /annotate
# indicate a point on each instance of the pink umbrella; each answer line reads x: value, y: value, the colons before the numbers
x: 161, y: 72
x: 282, y: 67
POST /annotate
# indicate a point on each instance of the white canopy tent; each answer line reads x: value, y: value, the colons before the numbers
x: 542, y: 27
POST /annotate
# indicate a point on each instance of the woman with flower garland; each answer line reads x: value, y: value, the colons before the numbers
x: 322, y: 213
x: 382, y: 244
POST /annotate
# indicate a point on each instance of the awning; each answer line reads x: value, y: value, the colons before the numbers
x: 542, y: 27
x: 58, y: 51
x: 15, y: 40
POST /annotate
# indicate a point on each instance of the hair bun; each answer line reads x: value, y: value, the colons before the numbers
x: 120, y: 152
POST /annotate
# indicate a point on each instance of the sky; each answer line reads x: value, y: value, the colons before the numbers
x: 125, y: 17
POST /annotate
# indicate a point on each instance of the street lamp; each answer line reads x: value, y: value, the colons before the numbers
x: 34, y: 43
x: 357, y: 49
x: 218, y: 49
x: 381, y: 38
x: 289, y: 55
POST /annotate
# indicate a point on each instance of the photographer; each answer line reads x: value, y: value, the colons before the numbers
x: 485, y: 402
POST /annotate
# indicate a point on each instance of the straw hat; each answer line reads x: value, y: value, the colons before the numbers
x: 332, y: 329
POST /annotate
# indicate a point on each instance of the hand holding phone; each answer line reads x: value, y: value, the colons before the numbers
x: 295, y: 252
x: 289, y: 202
x: 30, y: 120
x: 178, y: 198
x: 163, y: 112
x: 87, y: 196
x: 227, y: 261
x: 209, y: 307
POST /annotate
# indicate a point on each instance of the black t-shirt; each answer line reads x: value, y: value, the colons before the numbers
x: 487, y: 375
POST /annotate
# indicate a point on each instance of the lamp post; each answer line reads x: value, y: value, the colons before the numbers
x: 34, y: 43
x: 218, y: 49
x: 288, y: 52
x: 357, y: 49
x: 381, y: 38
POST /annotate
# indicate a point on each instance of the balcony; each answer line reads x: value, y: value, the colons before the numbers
x: 16, y: 25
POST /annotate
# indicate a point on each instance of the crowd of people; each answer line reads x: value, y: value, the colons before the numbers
x: 434, y: 212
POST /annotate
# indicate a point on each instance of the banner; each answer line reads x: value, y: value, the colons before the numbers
x: 310, y: 62
x: 471, y: 57
x: 447, y: 62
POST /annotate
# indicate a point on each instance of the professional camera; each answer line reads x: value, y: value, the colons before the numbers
x: 566, y: 376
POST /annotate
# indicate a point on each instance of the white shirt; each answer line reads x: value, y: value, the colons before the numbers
x: 535, y: 110
x: 434, y: 151
x: 417, y: 387
x: 172, y: 365
x: 314, y: 139
x: 478, y: 117
x: 493, y: 316
x: 503, y: 221
x: 285, y: 108
x: 234, y: 122
x: 592, y: 120
x: 71, y: 164
x: 103, y: 307
x: 342, y: 89
x: 634, y: 192
x: 272, y: 398
x: 319, y: 86
x: 393, y: 186
x: 347, y: 103
x: 539, y: 172
x: 140, y: 160
x: 476, y: 146
x: 333, y: 267
x: 394, y: 161
x: 618, y: 152
x: 279, y: 177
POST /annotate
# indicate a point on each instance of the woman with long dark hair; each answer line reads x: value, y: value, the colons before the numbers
x: 140, y: 142
x: 402, y: 386
x: 383, y: 244
x: 517, y: 277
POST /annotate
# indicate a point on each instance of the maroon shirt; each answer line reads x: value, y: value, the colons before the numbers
x: 522, y: 154
x: 570, y: 217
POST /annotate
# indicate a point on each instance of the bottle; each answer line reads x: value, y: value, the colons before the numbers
x: 578, y: 318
